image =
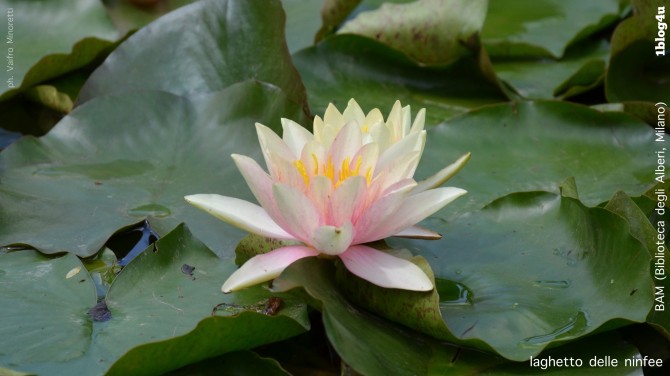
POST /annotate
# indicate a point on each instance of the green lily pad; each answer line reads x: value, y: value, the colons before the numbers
x: 636, y: 72
x: 428, y: 31
x: 154, y: 305
x: 127, y: 16
x: 51, y: 38
x: 303, y: 20
x: 333, y: 13
x: 372, y: 345
x: 580, y: 69
x: 115, y: 161
x: 346, y: 66
x: 187, y: 60
x: 365, y: 342
x: 531, y: 146
x: 528, y: 271
x: 37, y: 292
x: 543, y: 27
x: 238, y: 363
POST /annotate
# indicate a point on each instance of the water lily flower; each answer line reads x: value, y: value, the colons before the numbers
x: 347, y: 184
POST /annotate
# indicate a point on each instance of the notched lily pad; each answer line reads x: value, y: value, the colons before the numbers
x: 549, y: 268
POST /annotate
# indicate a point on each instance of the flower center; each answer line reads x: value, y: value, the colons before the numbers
x: 337, y: 176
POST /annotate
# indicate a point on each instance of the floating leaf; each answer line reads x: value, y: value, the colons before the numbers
x: 128, y: 15
x: 116, y: 161
x: 548, y: 267
x: 186, y: 60
x: 530, y: 146
x: 347, y: 66
x: 153, y: 311
x: 428, y: 31
x: 333, y: 13
x: 51, y: 38
x: 37, y: 293
x: 234, y: 363
x: 543, y: 27
x: 582, y: 67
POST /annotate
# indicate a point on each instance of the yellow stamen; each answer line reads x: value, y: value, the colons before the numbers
x: 316, y: 164
x: 328, y: 170
x: 368, y: 175
x: 302, y: 170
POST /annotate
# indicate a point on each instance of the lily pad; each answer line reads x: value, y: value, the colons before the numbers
x: 152, y: 306
x: 543, y: 27
x: 187, y: 60
x: 428, y: 31
x: 333, y: 13
x: 531, y: 146
x: 528, y: 271
x: 372, y: 345
x: 238, y: 363
x: 115, y: 161
x: 51, y: 38
x: 582, y: 67
x: 303, y: 20
x: 128, y: 15
x: 365, y: 342
x: 37, y: 292
x: 346, y: 66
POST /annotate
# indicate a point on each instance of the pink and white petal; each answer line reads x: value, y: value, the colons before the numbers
x: 419, y: 121
x: 414, y: 209
x: 380, y: 187
x: 381, y: 135
x: 312, y: 157
x: 346, y: 198
x: 370, y: 218
x: 272, y: 147
x: 287, y: 172
x: 333, y: 240
x: 347, y: 142
x: 333, y: 116
x: 406, y: 115
x: 264, y: 267
x: 394, y: 122
x: 317, y: 127
x: 443, y: 175
x: 374, y: 117
x: 368, y: 154
x: 353, y: 112
x: 418, y: 232
x: 385, y: 270
x: 260, y: 184
x: 319, y: 192
x: 327, y: 135
x: 239, y: 213
x: 402, y: 169
x: 396, y: 152
x: 301, y: 218
x: 295, y: 136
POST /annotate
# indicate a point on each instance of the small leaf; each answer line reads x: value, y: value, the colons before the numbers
x: 430, y: 32
x: 544, y: 27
